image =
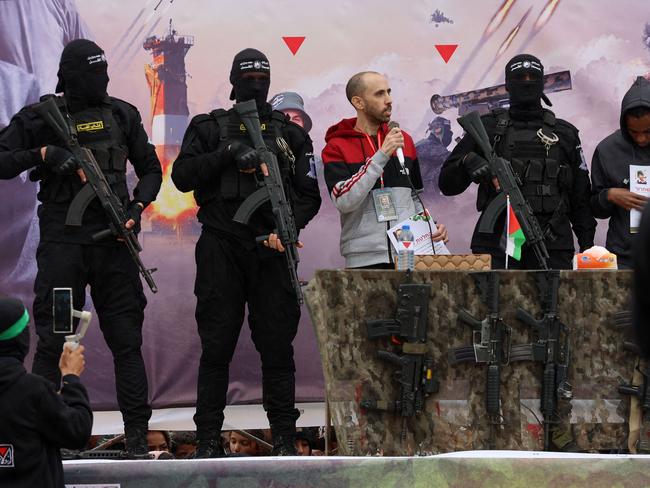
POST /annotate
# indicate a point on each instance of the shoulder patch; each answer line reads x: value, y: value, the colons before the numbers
x: 6, y: 456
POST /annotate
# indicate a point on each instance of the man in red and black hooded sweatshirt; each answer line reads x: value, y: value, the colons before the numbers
x: 369, y: 185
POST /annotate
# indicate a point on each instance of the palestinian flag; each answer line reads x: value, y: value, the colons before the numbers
x: 516, y: 237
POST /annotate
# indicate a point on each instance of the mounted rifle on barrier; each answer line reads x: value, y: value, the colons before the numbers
x: 409, y: 330
x: 550, y: 347
x: 491, y: 346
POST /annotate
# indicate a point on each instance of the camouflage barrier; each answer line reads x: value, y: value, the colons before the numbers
x: 454, y: 419
x: 461, y: 470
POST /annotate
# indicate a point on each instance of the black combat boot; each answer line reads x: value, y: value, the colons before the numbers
x: 284, y: 445
x: 207, y: 449
x: 136, y: 443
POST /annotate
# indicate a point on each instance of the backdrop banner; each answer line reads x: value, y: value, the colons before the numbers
x: 171, y: 59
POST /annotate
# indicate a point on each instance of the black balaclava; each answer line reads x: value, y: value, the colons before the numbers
x: 525, y: 96
x: 250, y: 61
x: 14, y: 333
x: 83, y: 73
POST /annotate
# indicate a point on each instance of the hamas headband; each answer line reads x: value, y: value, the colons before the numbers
x: 16, y: 328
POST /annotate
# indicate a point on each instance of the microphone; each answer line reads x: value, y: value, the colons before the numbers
x: 399, y: 151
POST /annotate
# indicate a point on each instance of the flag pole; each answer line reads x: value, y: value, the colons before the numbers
x: 507, y: 225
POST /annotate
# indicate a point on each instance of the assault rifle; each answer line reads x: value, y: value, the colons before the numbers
x: 97, y: 187
x: 550, y: 346
x: 509, y: 184
x: 642, y: 392
x: 623, y: 320
x: 409, y: 329
x: 491, y: 346
x: 272, y: 191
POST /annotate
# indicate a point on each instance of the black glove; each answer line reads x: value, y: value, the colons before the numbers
x: 134, y: 212
x: 245, y: 157
x: 477, y: 168
x: 60, y: 161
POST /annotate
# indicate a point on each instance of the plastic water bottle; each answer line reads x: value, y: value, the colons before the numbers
x: 406, y: 253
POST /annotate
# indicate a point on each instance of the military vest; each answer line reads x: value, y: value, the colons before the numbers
x: 233, y: 184
x: 537, y: 159
x: 98, y: 131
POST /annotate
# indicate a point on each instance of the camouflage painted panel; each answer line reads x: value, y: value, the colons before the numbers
x: 454, y: 419
x: 463, y: 470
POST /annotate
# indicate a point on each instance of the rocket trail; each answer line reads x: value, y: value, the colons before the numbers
x: 127, y: 63
x: 135, y: 43
x: 504, y: 47
x: 543, y: 19
x: 129, y: 29
x: 496, y: 21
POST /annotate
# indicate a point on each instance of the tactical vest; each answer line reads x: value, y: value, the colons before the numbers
x: 545, y: 178
x: 98, y: 131
x: 233, y: 184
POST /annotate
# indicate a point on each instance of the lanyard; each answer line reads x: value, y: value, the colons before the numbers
x: 374, y: 150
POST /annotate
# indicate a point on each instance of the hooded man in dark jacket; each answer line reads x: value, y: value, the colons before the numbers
x: 610, y: 170
x: 36, y: 420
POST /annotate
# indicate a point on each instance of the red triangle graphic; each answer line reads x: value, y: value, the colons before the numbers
x: 407, y: 244
x: 293, y: 43
x: 3, y: 451
x: 446, y: 51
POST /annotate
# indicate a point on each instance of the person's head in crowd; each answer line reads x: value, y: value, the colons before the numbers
x: 14, y: 333
x: 243, y: 446
x: 369, y: 94
x: 158, y: 440
x: 183, y: 444
x: 304, y: 442
x: 319, y: 444
x: 292, y: 105
x: 635, y: 113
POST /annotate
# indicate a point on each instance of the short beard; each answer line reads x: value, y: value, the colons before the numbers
x: 378, y: 118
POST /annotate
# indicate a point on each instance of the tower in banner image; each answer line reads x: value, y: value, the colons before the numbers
x: 166, y: 78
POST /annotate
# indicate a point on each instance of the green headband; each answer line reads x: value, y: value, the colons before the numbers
x: 15, y: 329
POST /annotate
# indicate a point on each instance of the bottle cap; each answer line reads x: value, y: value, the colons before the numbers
x: 406, y: 227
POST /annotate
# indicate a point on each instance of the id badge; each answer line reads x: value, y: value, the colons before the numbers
x: 384, y: 205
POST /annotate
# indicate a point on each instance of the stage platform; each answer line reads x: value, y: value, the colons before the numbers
x: 460, y: 469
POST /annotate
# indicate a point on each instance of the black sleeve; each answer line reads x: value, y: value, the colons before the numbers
x: 453, y: 179
x: 66, y: 418
x: 197, y: 163
x: 307, y: 200
x: 143, y: 157
x: 640, y: 297
x: 600, y: 185
x: 580, y: 215
x: 17, y: 151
